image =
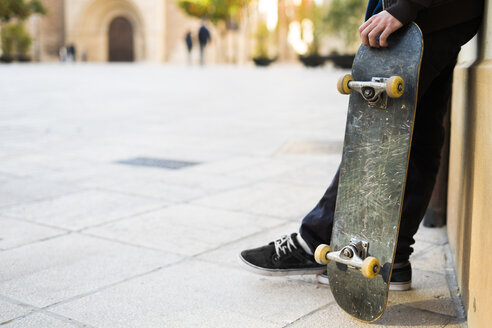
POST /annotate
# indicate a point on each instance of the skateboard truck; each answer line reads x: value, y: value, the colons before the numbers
x: 376, y: 91
x: 355, y: 254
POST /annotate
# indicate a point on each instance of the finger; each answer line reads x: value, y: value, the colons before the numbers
x: 373, y: 34
x: 363, y: 27
x: 383, y: 38
x: 364, y: 35
x: 387, y: 32
x: 365, y: 24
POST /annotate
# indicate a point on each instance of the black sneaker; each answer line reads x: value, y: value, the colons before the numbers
x: 401, y: 278
x: 283, y: 257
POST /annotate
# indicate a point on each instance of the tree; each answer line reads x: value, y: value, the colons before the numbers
x: 15, y: 34
x: 20, y: 9
x: 15, y: 40
x: 344, y: 18
x: 312, y: 14
x: 262, y: 40
x: 214, y: 10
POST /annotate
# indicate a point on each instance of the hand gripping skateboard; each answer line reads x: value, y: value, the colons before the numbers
x: 383, y: 97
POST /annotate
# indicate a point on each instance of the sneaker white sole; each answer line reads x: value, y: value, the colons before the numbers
x: 400, y: 286
x: 323, y: 279
x: 277, y: 272
x: 394, y: 286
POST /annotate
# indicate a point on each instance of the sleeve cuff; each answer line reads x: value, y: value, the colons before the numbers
x: 403, y: 10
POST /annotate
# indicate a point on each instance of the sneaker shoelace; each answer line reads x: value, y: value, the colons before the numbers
x: 284, y: 245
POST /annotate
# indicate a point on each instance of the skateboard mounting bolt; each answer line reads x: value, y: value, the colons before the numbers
x: 348, y: 253
x: 368, y: 92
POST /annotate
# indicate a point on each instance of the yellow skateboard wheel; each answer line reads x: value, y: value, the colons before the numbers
x: 321, y: 252
x: 370, y: 267
x: 343, y: 84
x: 395, y: 87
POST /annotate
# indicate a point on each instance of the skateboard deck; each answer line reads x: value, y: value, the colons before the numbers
x: 373, y: 173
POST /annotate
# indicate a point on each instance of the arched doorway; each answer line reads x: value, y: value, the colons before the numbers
x: 121, y: 40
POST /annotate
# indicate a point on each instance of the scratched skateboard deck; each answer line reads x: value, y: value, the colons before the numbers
x: 373, y: 174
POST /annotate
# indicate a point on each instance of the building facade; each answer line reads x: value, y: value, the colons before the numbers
x: 117, y: 30
x: 154, y: 31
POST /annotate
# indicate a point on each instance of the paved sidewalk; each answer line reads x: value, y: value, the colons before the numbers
x: 95, y: 231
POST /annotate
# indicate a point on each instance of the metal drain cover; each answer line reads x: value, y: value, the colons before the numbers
x: 158, y: 162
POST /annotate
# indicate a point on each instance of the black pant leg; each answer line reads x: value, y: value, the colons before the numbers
x: 441, y: 50
x: 425, y: 158
x: 317, y: 225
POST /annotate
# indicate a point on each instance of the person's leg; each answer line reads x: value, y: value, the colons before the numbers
x: 435, y: 85
x: 425, y: 157
x: 202, y: 50
x: 317, y: 225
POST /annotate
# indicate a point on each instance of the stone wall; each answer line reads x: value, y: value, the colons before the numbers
x: 470, y: 175
x: 51, y: 36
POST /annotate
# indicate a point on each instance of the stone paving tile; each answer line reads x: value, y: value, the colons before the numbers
x: 258, y: 144
x: 436, y: 236
x: 83, y: 209
x: 433, y: 259
x: 429, y: 292
x: 312, y: 147
x: 420, y: 247
x: 105, y: 175
x: 98, y: 175
x: 43, y: 164
x: 40, y: 320
x: 14, y: 233
x: 273, y: 199
x: 156, y: 189
x: 179, y: 295
x: 394, y: 316
x: 275, y: 167
x: 319, y: 174
x: 429, y: 250
x: 231, y: 164
x: 185, y: 229
x: 174, y: 185
x: 9, y: 311
x: 51, y: 271
x: 22, y: 190
x: 121, y: 147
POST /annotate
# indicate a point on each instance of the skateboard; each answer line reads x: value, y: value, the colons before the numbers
x: 383, y: 97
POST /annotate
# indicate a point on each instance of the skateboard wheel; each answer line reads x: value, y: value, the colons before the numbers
x: 395, y: 87
x: 321, y: 252
x: 343, y: 84
x: 370, y: 267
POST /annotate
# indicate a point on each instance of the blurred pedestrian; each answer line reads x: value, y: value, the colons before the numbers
x: 71, y: 52
x: 189, y: 45
x: 203, y: 38
x: 63, y: 54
